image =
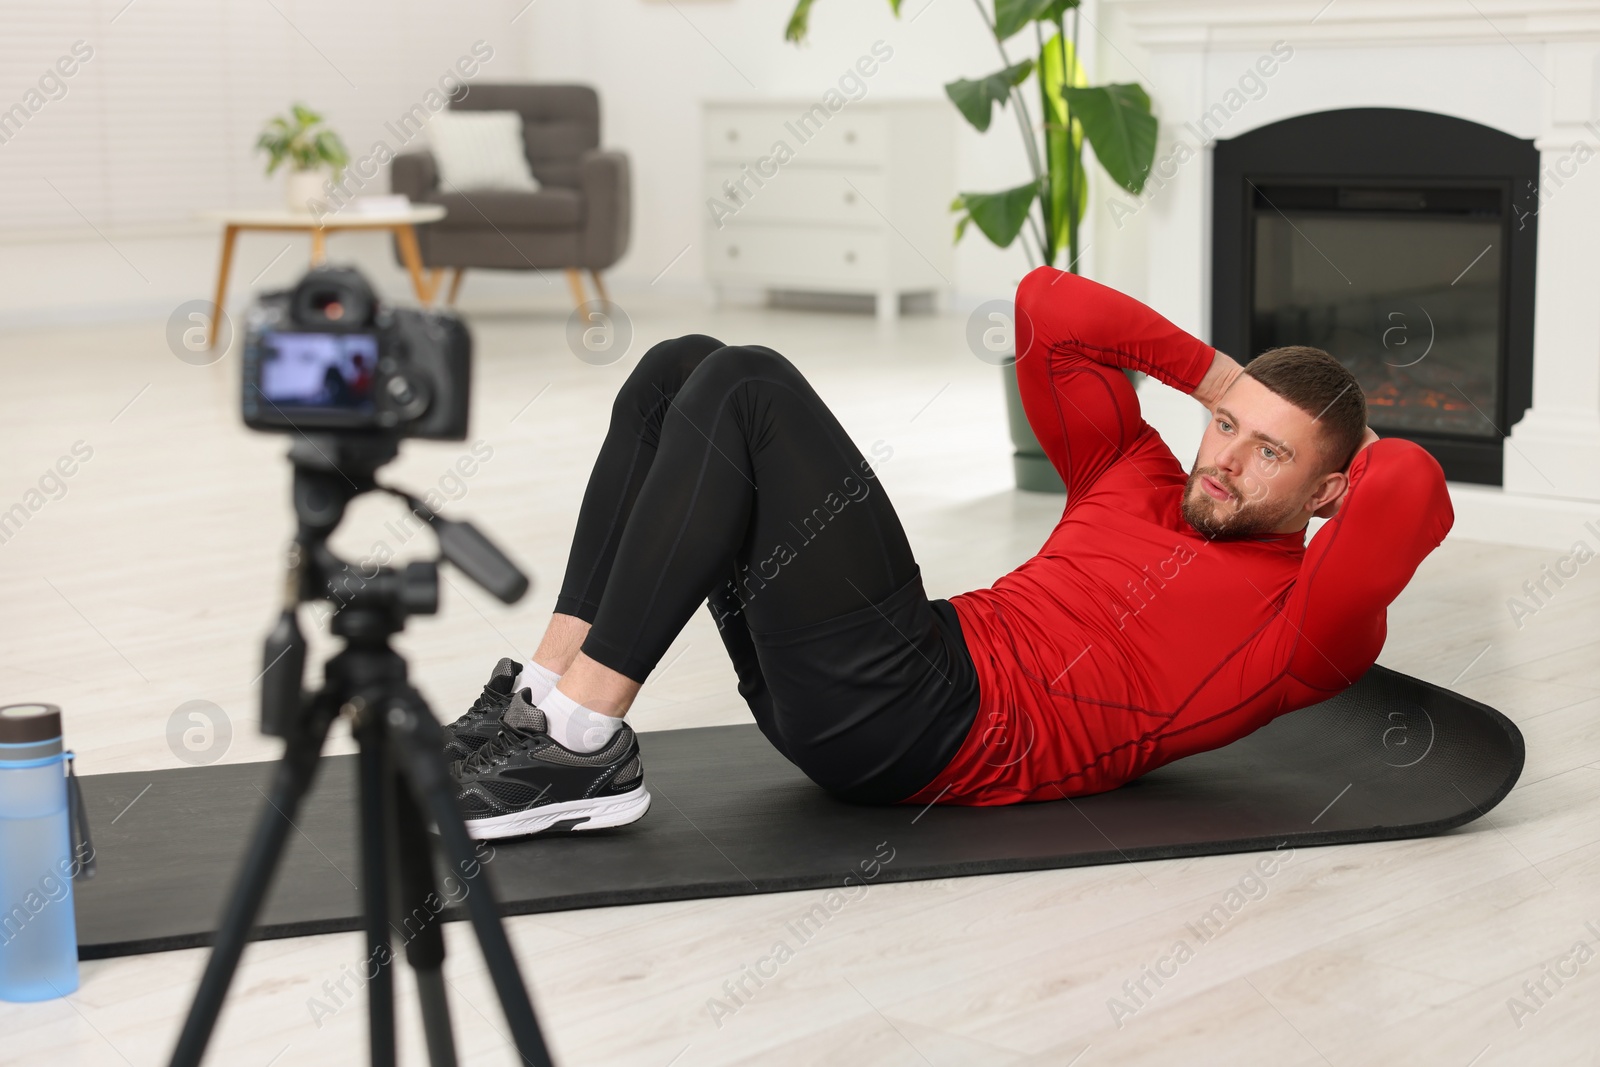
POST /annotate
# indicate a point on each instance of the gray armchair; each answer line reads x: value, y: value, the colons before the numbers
x: 580, y: 219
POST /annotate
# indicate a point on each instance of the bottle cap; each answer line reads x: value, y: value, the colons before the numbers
x: 25, y: 724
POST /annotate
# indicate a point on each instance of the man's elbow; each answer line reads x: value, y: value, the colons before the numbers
x: 1413, y: 474
x: 1056, y: 305
x: 1036, y: 291
x: 1439, y: 513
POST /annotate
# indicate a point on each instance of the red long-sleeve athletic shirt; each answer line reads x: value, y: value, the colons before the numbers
x: 1130, y: 639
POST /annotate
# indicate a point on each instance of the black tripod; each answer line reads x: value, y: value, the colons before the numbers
x: 403, y: 775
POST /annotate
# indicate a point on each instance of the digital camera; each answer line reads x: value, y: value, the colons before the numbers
x: 327, y: 357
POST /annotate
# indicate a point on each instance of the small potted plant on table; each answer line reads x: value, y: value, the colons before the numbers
x: 312, y: 150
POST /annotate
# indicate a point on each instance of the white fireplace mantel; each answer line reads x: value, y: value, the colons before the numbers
x: 1185, y: 24
x: 1529, y: 68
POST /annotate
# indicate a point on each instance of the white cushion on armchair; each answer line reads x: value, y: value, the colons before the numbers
x: 480, y: 150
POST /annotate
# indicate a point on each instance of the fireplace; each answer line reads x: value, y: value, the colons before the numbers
x: 1400, y: 241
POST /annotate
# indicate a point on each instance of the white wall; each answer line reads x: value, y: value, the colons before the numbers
x: 100, y: 186
x: 161, y: 123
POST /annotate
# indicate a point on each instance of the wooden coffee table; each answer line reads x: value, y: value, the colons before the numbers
x: 400, y: 223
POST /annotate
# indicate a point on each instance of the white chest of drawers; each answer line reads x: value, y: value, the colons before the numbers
x: 851, y: 201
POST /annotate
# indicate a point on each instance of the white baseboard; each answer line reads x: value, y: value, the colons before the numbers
x: 1488, y: 513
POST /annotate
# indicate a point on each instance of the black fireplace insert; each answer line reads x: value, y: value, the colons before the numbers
x: 1402, y: 242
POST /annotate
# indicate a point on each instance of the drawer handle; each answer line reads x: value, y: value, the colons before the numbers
x: 849, y: 257
x: 850, y: 198
x: 733, y: 251
x: 849, y: 137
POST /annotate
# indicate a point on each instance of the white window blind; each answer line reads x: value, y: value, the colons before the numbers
x: 160, y: 121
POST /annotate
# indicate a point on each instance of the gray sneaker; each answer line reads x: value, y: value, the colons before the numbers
x: 524, y: 782
x: 478, y: 725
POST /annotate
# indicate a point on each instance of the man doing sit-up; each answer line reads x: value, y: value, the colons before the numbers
x: 1165, y: 614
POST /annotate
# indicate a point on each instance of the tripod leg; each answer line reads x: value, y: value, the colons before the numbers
x: 375, y: 852
x: 419, y: 749
x: 420, y: 905
x: 436, y: 1018
x: 289, y: 785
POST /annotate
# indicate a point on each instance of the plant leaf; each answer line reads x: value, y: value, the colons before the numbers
x: 331, y: 149
x: 799, y: 24
x: 998, y: 215
x: 1052, y: 72
x: 1063, y: 154
x: 1118, y: 123
x: 1010, y: 16
x: 976, y: 99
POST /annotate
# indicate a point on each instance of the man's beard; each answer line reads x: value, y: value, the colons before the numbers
x: 1222, y: 520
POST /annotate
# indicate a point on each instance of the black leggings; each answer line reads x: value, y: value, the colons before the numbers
x: 725, y: 479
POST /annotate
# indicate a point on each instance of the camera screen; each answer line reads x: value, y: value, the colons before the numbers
x: 319, y: 370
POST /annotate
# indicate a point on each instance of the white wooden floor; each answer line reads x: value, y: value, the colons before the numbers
x: 149, y: 583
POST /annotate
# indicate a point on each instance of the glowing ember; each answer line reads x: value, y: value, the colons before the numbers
x: 1390, y: 395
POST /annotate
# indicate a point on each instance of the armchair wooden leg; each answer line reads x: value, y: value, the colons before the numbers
x: 600, y: 287
x: 575, y: 280
x: 455, y: 286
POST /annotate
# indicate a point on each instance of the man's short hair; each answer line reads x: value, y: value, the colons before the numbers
x: 1323, y: 388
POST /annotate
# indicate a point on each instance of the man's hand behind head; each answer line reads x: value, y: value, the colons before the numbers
x: 1222, y: 374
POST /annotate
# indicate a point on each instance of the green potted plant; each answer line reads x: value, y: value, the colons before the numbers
x: 311, y: 150
x: 1044, y: 212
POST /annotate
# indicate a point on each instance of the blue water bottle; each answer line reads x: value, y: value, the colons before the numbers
x: 44, y: 845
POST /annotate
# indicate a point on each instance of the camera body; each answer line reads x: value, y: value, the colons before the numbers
x: 327, y: 357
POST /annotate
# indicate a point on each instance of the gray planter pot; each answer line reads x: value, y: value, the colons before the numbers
x: 1030, y: 466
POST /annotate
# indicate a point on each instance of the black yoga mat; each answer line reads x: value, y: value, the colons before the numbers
x: 1391, y: 757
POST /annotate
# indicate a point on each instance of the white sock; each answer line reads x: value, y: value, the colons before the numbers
x: 539, y: 678
x: 576, y: 727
